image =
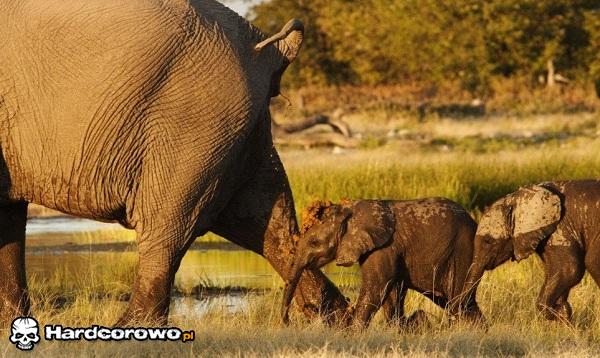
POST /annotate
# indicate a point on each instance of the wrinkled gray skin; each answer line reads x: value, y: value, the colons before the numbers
x: 153, y: 114
x: 558, y: 220
x: 425, y: 245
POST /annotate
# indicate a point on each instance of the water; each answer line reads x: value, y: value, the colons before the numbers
x: 194, y: 307
x: 40, y: 226
x: 78, y: 248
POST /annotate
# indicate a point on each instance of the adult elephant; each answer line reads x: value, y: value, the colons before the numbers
x: 153, y: 114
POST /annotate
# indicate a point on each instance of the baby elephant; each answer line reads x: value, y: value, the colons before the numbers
x: 558, y: 220
x: 425, y: 245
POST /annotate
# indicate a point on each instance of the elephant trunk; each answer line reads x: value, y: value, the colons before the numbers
x: 476, y: 272
x: 290, y: 287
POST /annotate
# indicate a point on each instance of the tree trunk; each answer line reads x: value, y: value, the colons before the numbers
x: 551, y: 74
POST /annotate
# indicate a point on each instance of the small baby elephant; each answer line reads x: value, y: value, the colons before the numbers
x: 558, y: 220
x: 425, y: 245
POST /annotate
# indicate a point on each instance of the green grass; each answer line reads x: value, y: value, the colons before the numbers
x: 472, y: 179
x: 474, y: 171
x: 506, y: 296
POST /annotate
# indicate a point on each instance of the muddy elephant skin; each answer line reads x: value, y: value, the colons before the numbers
x: 153, y: 114
x: 558, y: 220
x: 425, y: 245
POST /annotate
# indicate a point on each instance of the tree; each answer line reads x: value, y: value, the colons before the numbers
x: 532, y: 37
x: 592, y: 26
x: 436, y: 41
x: 315, y: 65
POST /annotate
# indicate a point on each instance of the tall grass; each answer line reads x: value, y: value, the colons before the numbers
x: 473, y: 180
x: 506, y: 296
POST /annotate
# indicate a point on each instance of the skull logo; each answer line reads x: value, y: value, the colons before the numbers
x: 25, y: 333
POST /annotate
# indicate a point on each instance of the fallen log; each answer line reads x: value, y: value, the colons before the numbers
x: 293, y: 133
x: 307, y: 141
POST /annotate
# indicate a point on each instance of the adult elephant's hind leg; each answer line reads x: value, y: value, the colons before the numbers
x: 161, y: 247
x: 14, y: 300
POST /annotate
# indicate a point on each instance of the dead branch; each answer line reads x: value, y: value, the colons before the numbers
x: 316, y: 140
x: 290, y: 133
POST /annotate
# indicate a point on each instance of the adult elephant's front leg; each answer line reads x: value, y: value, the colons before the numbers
x: 261, y: 217
x: 14, y: 300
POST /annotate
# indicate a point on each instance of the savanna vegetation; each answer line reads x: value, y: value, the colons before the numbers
x: 470, y: 42
x: 472, y: 161
x: 506, y: 296
x: 463, y: 99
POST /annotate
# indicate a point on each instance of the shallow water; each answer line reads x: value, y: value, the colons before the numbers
x: 209, y: 268
x: 195, y: 307
x: 225, y: 267
x: 40, y: 226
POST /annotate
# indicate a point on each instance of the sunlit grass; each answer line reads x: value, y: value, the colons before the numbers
x: 56, y: 279
x: 90, y: 288
x: 506, y: 297
x: 473, y: 180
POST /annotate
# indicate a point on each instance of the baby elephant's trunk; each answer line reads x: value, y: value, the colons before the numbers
x: 290, y: 288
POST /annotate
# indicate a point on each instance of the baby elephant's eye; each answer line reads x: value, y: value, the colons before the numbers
x: 488, y: 240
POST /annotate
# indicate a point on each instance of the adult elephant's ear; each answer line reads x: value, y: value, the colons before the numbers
x: 288, y: 42
x: 371, y: 226
x: 536, y: 212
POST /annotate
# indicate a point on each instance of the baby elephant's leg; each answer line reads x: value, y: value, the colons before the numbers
x: 563, y: 270
x: 377, y: 281
x: 562, y: 308
x: 393, y: 306
x: 592, y: 261
x: 415, y: 320
x: 369, y: 300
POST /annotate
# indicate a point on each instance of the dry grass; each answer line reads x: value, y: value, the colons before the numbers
x: 514, y: 96
x: 473, y: 166
x: 506, y: 297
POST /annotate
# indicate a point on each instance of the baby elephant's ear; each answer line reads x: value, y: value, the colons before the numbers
x: 496, y: 221
x: 371, y: 226
x: 536, y: 212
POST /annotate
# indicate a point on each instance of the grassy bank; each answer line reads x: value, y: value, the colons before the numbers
x: 471, y: 161
x: 506, y: 297
x: 472, y: 179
